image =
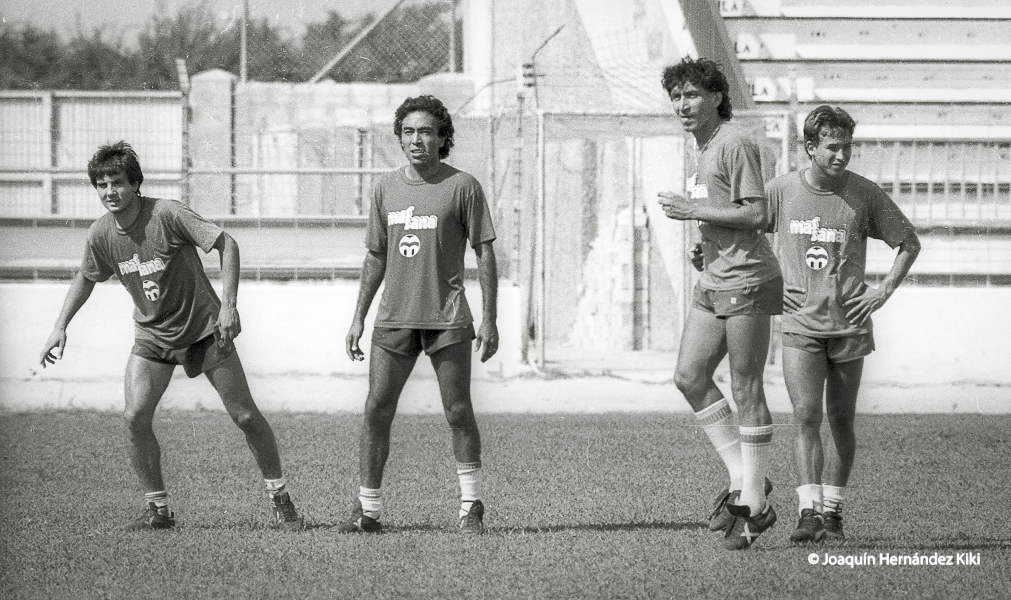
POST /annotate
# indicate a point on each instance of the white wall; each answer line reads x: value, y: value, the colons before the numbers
x: 292, y: 346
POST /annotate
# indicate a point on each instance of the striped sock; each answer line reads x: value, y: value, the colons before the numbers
x: 275, y: 486
x: 810, y: 496
x: 159, y: 499
x: 833, y: 498
x: 754, y: 443
x: 470, y: 485
x: 372, y: 502
x: 718, y: 422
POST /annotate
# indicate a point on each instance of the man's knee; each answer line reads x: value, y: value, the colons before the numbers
x: 690, y: 382
x: 249, y: 421
x: 460, y: 415
x: 138, y: 421
x: 807, y: 416
x: 379, y: 414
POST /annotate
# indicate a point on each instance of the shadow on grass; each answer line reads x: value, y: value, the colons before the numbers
x: 881, y: 544
x: 431, y: 527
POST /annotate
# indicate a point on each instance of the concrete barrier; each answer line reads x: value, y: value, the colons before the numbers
x: 938, y: 350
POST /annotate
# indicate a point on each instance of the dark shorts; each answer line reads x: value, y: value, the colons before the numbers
x: 763, y: 299
x: 410, y: 342
x: 198, y: 358
x: 835, y: 349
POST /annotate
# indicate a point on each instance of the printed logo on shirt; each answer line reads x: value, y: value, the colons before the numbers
x: 409, y: 245
x: 409, y: 221
x: 143, y: 268
x: 816, y: 257
x: 813, y: 228
x: 151, y: 290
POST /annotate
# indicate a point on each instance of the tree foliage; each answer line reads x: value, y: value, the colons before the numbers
x: 411, y: 43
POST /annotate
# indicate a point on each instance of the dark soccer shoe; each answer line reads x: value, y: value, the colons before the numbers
x: 745, y: 529
x: 720, y: 518
x: 473, y: 522
x: 359, y: 523
x: 153, y: 518
x: 284, y: 514
x: 810, y: 527
x: 833, y: 527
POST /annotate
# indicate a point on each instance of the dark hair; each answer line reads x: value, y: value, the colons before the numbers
x: 432, y: 106
x: 112, y: 159
x: 702, y: 73
x: 832, y: 118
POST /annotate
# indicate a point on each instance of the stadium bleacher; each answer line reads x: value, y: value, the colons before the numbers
x: 928, y: 82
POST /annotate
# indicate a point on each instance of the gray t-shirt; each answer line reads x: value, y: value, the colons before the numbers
x: 422, y: 227
x: 822, y: 244
x: 156, y: 261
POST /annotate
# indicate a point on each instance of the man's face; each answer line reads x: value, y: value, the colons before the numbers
x: 420, y: 139
x: 832, y: 154
x: 697, y: 107
x: 116, y: 193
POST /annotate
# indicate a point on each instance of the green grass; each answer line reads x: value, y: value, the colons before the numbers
x: 579, y: 506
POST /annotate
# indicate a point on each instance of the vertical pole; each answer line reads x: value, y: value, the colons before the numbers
x: 452, y: 37
x: 542, y: 254
x: 49, y: 138
x: 518, y: 221
x: 184, y: 162
x: 243, y: 54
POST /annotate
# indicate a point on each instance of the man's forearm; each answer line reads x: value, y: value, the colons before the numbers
x: 80, y: 290
x: 373, y: 271
x: 909, y: 249
x: 487, y: 272
x: 751, y: 215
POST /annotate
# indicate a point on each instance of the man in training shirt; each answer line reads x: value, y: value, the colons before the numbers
x: 823, y: 216
x: 150, y: 245
x: 741, y: 287
x: 420, y: 221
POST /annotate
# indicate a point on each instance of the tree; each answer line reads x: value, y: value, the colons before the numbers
x: 32, y: 58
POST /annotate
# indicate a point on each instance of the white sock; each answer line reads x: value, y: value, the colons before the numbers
x: 754, y: 443
x: 718, y: 422
x: 833, y: 498
x: 470, y: 485
x: 275, y: 486
x: 372, y: 502
x: 159, y: 499
x: 810, y: 497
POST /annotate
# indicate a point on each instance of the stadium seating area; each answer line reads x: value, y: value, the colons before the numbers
x: 928, y: 82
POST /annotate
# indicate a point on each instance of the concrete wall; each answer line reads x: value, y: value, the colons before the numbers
x: 289, y: 331
x: 292, y: 347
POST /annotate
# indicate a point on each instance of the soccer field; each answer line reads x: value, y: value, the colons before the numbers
x: 580, y: 506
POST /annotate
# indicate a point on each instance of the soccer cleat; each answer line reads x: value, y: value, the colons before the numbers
x: 810, y: 527
x: 153, y: 517
x: 284, y: 513
x: 359, y: 523
x: 833, y: 526
x: 745, y: 529
x: 473, y: 522
x: 720, y: 518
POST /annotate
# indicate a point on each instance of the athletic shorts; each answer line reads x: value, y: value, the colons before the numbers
x: 764, y: 299
x: 198, y: 358
x: 835, y: 349
x: 410, y: 342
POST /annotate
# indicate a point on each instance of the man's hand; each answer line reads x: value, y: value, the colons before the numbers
x: 487, y: 337
x: 229, y: 326
x: 793, y: 298
x: 53, y: 349
x: 676, y: 206
x: 698, y: 260
x: 860, y: 307
x: 352, y: 339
